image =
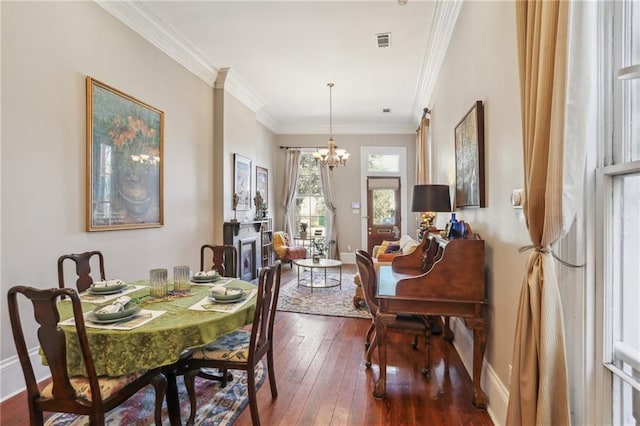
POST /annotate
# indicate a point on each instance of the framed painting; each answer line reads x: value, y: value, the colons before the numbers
x: 469, y: 140
x: 262, y: 183
x: 125, y: 140
x: 241, y: 182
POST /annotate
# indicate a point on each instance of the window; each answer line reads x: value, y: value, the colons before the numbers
x: 619, y: 187
x: 384, y: 163
x: 309, y: 201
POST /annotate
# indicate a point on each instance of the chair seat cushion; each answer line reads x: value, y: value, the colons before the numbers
x: 108, y: 385
x: 297, y: 253
x: 233, y: 346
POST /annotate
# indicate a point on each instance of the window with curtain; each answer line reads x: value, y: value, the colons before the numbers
x: 309, y: 202
x: 619, y: 187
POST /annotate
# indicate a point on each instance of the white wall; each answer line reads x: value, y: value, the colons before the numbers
x: 47, y: 50
x: 481, y: 64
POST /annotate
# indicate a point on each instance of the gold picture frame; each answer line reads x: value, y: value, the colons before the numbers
x: 125, y: 139
x: 469, y: 144
x: 242, y: 182
x: 262, y: 183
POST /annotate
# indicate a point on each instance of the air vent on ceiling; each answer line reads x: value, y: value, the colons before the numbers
x: 384, y: 40
x: 385, y: 110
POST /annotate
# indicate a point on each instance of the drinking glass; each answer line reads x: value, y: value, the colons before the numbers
x: 182, y: 279
x: 158, y: 282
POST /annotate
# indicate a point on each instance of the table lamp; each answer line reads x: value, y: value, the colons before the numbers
x: 431, y: 198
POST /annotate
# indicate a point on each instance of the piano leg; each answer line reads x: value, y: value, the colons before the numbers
x: 381, y: 335
x: 479, y: 344
x: 448, y: 334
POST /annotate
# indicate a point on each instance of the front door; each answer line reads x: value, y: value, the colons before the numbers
x: 383, y: 210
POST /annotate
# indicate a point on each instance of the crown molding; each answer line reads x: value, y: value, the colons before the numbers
x: 444, y: 22
x: 140, y: 19
x: 266, y: 119
x: 348, y: 129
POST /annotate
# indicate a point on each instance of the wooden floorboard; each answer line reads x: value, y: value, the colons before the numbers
x: 322, y: 380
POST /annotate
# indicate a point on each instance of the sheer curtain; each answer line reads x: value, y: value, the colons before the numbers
x: 291, y: 163
x: 329, y: 200
x: 556, y: 116
x: 422, y: 154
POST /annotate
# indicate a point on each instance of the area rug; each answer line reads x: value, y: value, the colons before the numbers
x: 216, y: 406
x: 332, y: 301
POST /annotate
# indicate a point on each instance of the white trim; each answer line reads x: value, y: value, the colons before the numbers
x: 444, y: 21
x: 11, y: 377
x: 143, y: 21
x: 497, y: 392
x: 140, y: 19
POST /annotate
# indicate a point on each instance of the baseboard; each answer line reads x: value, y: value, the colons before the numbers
x: 11, y: 377
x: 497, y: 392
x: 348, y: 257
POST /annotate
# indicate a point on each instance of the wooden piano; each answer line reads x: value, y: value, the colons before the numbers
x: 443, y: 278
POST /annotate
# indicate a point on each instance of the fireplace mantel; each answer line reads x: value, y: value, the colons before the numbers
x: 236, y: 226
x: 246, y: 237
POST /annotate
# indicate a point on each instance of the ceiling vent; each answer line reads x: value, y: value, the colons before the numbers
x: 384, y: 40
x: 386, y: 110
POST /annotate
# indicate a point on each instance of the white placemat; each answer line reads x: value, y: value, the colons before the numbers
x: 85, y: 296
x: 138, y: 320
x: 207, y: 304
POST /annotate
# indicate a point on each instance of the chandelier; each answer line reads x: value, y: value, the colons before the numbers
x: 331, y: 156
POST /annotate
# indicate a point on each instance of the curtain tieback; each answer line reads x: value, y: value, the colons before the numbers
x: 541, y: 249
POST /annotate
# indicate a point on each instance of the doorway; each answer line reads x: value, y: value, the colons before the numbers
x: 384, y: 210
x: 383, y: 181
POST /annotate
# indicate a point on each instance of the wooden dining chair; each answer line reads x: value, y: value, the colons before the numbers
x: 242, y: 349
x: 224, y: 259
x: 83, y: 268
x: 88, y: 395
x: 403, y: 323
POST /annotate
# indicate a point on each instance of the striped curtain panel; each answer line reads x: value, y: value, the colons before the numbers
x: 422, y: 152
x: 539, y: 391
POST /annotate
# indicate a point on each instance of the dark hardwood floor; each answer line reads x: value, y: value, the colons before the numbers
x: 322, y: 380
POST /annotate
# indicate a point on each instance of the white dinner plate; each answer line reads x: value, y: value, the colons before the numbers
x: 240, y: 299
x: 92, y: 318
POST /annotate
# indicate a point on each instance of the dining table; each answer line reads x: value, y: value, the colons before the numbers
x: 158, y: 334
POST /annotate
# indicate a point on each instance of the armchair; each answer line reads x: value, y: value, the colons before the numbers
x: 285, y: 251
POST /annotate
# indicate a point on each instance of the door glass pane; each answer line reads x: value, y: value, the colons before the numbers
x: 384, y: 163
x: 384, y: 206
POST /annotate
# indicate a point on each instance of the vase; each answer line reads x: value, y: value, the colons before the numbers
x: 134, y: 193
x: 456, y: 228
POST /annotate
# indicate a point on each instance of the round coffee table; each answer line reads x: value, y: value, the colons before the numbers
x: 321, y: 264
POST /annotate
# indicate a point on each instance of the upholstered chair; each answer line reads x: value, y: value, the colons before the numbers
x: 285, y: 251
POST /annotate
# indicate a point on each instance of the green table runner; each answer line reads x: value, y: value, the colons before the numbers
x: 159, y: 342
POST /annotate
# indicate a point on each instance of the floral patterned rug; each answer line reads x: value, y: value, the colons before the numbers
x: 331, y: 301
x: 216, y: 406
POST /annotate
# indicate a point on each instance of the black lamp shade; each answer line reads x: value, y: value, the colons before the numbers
x: 431, y: 198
